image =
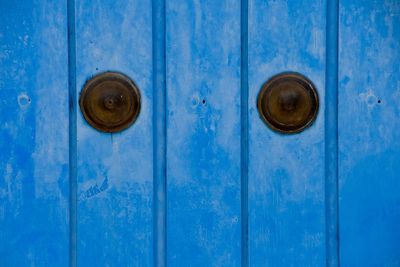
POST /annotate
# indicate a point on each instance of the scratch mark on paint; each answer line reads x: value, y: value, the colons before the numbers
x: 94, y: 190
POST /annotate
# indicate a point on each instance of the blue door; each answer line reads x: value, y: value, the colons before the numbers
x: 200, y: 133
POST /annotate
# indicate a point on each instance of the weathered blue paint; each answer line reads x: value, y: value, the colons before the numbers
x: 203, y: 130
x: 33, y: 134
x: 115, y: 171
x: 199, y: 179
x: 369, y: 137
x: 286, y: 172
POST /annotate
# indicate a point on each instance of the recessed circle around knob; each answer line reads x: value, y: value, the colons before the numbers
x: 110, y: 102
x: 288, y: 102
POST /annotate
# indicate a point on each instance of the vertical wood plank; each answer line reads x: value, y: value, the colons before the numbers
x: 369, y: 138
x: 286, y: 172
x: 33, y: 133
x: 115, y: 171
x: 203, y: 130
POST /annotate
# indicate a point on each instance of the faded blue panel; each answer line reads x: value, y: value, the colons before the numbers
x: 203, y: 130
x: 33, y: 133
x: 286, y: 172
x: 115, y: 188
x: 369, y: 137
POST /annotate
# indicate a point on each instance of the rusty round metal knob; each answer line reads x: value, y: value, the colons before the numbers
x: 110, y: 102
x: 288, y: 102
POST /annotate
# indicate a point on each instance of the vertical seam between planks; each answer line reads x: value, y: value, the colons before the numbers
x: 159, y: 132
x: 72, y: 133
x: 244, y: 129
x: 331, y: 134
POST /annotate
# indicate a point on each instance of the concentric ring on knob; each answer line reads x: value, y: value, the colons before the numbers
x: 288, y: 102
x: 110, y: 102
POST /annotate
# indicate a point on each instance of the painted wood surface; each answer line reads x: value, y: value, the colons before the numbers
x: 286, y: 172
x: 199, y: 179
x: 203, y: 130
x: 115, y: 175
x: 369, y: 138
x: 33, y: 133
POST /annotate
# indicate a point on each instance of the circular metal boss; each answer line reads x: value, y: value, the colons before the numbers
x: 288, y: 102
x: 110, y: 102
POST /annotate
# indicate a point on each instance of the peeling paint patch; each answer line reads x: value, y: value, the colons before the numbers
x: 369, y: 98
x: 24, y: 100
